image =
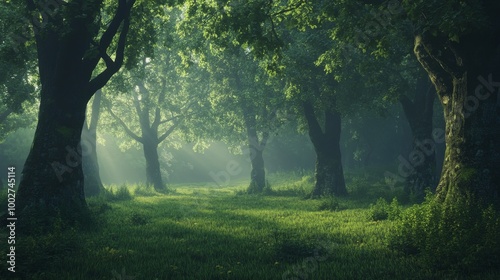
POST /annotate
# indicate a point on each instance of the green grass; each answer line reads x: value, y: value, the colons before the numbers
x: 209, y: 232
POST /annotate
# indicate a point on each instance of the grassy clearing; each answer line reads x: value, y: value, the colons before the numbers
x: 209, y: 232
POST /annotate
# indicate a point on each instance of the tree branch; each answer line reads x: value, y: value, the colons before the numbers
x: 315, y: 131
x: 439, y: 77
x: 161, y: 99
x: 168, y: 132
x: 125, y: 127
x: 294, y: 7
x: 122, y: 15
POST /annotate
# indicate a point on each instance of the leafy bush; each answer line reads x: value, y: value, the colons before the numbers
x: 382, y: 210
x: 459, y: 235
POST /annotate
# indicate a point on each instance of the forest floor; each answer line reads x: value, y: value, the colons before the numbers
x: 209, y: 232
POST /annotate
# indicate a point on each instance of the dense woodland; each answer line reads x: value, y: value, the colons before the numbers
x: 259, y: 139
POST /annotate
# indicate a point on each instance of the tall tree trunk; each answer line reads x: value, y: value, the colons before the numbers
x: 466, y: 76
x: 422, y: 158
x: 256, y: 148
x: 52, y: 182
x: 93, y: 184
x: 329, y: 172
x: 52, y: 179
x: 153, y: 173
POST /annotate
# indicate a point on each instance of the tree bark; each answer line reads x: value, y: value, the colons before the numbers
x: 256, y: 148
x: 153, y: 173
x: 329, y: 171
x: 52, y: 183
x: 52, y: 179
x: 93, y: 185
x: 419, y: 114
x: 466, y: 76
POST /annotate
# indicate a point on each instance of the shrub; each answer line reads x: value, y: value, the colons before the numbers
x: 461, y: 235
x: 382, y: 210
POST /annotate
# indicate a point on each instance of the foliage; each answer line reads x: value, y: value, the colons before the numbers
x: 121, y: 193
x: 461, y: 236
x: 382, y: 210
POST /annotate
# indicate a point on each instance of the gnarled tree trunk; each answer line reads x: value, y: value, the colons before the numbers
x: 466, y: 76
x: 329, y: 172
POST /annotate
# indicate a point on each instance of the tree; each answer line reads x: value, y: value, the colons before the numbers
x: 161, y: 106
x: 419, y: 113
x: 17, y: 74
x: 230, y: 43
x: 316, y: 96
x: 165, y: 96
x: 71, y: 39
x: 93, y: 185
x: 460, y: 52
x: 247, y: 102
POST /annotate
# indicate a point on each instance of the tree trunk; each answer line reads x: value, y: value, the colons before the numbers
x: 329, y: 172
x: 52, y: 179
x: 258, y: 174
x: 153, y: 173
x: 422, y: 157
x: 52, y: 183
x: 93, y: 184
x: 466, y: 76
x: 256, y: 149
